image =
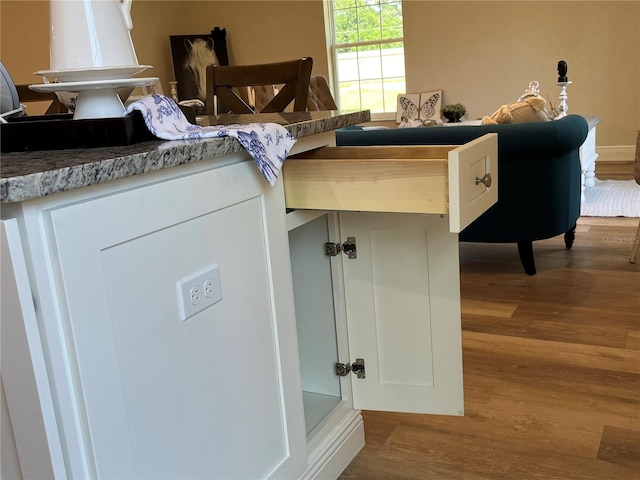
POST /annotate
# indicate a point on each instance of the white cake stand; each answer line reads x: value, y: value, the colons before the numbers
x: 96, y: 98
x: 91, y: 73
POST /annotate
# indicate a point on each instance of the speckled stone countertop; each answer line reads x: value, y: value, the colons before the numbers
x: 29, y: 175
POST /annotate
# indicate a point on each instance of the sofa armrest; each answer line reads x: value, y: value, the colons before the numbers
x: 515, y: 141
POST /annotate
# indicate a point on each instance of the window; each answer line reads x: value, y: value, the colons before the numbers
x: 368, y: 53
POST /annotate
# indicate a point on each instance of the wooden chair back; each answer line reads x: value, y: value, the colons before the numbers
x: 320, y: 97
x: 26, y: 95
x: 293, y: 75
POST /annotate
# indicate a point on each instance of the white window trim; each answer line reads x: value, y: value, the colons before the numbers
x: 332, y: 48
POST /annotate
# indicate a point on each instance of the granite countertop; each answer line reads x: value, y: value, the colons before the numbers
x: 29, y: 175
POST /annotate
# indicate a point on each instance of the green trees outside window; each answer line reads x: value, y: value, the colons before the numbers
x: 368, y: 53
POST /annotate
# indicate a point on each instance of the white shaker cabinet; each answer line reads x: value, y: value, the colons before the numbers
x: 140, y: 392
x: 390, y: 314
x: 383, y: 307
x: 186, y: 327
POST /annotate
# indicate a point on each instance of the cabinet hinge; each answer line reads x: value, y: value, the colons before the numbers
x: 357, y: 367
x: 348, y: 247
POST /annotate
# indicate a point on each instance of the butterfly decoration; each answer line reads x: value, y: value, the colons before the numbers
x: 419, y: 110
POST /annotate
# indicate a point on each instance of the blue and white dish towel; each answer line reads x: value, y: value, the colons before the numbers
x: 268, y: 143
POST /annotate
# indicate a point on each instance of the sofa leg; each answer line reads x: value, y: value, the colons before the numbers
x: 569, y: 237
x: 636, y: 245
x: 525, y: 249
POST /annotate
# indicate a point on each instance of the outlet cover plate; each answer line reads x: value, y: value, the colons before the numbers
x: 199, y: 291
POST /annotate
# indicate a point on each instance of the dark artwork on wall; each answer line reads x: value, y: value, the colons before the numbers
x: 191, y: 54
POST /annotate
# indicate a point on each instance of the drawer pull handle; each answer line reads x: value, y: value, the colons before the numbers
x: 486, y: 180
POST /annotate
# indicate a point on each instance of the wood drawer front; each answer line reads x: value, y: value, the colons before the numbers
x: 468, y: 196
x: 402, y: 179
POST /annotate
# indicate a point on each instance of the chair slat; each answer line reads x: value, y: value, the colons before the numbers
x: 293, y: 75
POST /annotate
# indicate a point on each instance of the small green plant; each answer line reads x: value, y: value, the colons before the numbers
x: 455, y: 108
x: 454, y: 112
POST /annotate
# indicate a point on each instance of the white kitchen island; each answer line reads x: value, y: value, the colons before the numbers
x: 103, y: 377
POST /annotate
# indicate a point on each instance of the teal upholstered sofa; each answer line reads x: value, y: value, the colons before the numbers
x: 538, y: 171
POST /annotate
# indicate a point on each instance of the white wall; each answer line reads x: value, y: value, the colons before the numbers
x: 481, y: 53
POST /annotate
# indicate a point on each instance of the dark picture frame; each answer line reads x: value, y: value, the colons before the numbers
x: 190, y: 54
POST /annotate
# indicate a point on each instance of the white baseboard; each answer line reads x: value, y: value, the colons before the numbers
x: 333, y: 455
x: 616, y: 153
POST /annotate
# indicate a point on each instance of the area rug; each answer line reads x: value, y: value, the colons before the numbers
x: 612, y: 198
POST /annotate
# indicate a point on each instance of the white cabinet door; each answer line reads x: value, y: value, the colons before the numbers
x: 402, y: 296
x: 215, y: 396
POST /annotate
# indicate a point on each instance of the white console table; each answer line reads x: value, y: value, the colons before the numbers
x: 588, y: 155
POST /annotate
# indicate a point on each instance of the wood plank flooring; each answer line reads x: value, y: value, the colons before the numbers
x: 551, y: 371
x: 620, y: 170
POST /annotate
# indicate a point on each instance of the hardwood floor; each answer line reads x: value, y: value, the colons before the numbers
x: 551, y: 371
x: 622, y: 170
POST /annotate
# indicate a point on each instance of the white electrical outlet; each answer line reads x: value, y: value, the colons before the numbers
x: 198, y: 291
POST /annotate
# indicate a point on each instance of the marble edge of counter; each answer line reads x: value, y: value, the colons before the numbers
x: 136, y: 160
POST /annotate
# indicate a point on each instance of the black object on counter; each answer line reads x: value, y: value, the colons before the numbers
x: 59, y: 132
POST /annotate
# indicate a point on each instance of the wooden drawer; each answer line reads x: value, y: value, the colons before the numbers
x: 404, y: 178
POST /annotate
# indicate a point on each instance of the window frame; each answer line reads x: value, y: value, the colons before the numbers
x: 332, y: 51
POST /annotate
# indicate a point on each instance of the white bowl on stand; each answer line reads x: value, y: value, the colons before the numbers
x: 96, y: 98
